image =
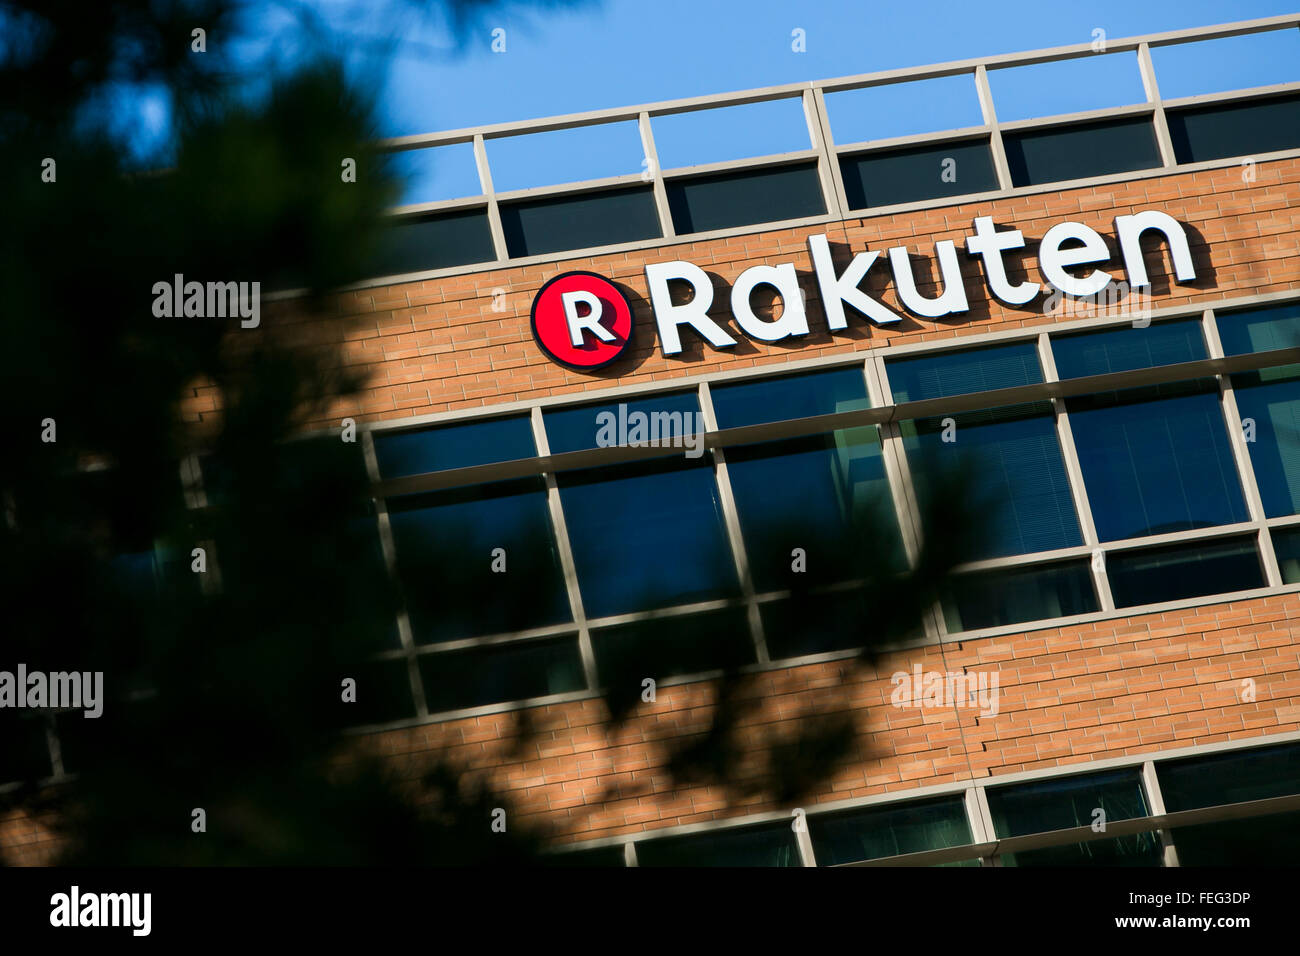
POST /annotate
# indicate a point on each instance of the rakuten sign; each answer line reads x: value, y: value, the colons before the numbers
x: 1065, y: 246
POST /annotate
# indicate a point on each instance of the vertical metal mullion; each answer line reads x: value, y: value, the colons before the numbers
x: 828, y: 167
x: 565, y: 549
x: 1241, y: 456
x: 1074, y: 475
x: 386, y: 543
x: 1152, y: 88
x: 731, y: 518
x: 657, y: 175
x: 1151, y: 784
x: 985, y: 94
x: 899, y: 476
x: 981, y: 819
x: 494, y: 210
x: 803, y: 840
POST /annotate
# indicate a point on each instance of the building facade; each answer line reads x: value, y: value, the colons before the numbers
x: 1102, y: 310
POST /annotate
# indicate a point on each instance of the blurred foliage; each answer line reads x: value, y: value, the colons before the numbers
x: 226, y: 697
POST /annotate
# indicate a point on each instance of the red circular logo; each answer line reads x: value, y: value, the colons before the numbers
x: 581, y: 320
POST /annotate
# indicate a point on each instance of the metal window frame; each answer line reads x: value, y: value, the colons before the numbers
x: 822, y: 143
x: 886, y: 417
x: 986, y: 845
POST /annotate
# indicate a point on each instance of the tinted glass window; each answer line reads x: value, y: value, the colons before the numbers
x: 1286, y: 545
x: 1123, y: 349
x: 956, y: 373
x: 536, y: 227
x: 1013, y: 472
x: 1080, y: 151
x: 1183, y: 571
x: 663, y: 418
x: 1074, y: 802
x: 1237, y: 777
x: 1260, y: 330
x: 671, y: 647
x: 889, y: 831
x: 421, y: 243
x: 1268, y: 402
x: 789, y: 397
x: 478, y: 561
x: 454, y: 446
x: 491, y: 675
x: 1272, y: 840
x: 647, y: 535
x: 1156, y: 460
x: 817, y: 624
x: 724, y: 200
x: 994, y: 598
x: 753, y: 846
x: 818, y: 506
x: 881, y: 178
x: 1235, y: 129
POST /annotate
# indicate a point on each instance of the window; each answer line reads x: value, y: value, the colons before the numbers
x: 1127, y: 348
x: 668, y: 419
x: 1156, y: 459
x: 956, y: 373
x: 822, y: 501
x: 1013, y: 473
x: 818, y: 623
x: 725, y: 200
x: 579, y: 221
x: 876, y: 832
x: 1286, y: 545
x: 484, y: 442
x: 826, y: 495
x: 422, y: 243
x: 647, y: 535
x: 451, y: 546
x: 1080, y: 151
x: 994, y: 598
x: 1235, y: 129
x: 674, y: 646
x: 521, y: 670
x: 1268, y: 402
x: 1183, y: 571
x: 1260, y: 330
x: 752, y: 846
x: 1063, y: 804
x: 1218, y: 779
x: 884, y: 177
x: 1011, y: 455
x: 789, y: 397
x: 1232, y: 777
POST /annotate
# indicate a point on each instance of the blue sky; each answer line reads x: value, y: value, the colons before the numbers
x: 622, y: 52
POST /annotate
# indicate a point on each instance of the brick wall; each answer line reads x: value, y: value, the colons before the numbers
x: 438, y: 346
x: 1068, y: 695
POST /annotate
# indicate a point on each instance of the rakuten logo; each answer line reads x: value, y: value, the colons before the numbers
x: 582, y: 321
